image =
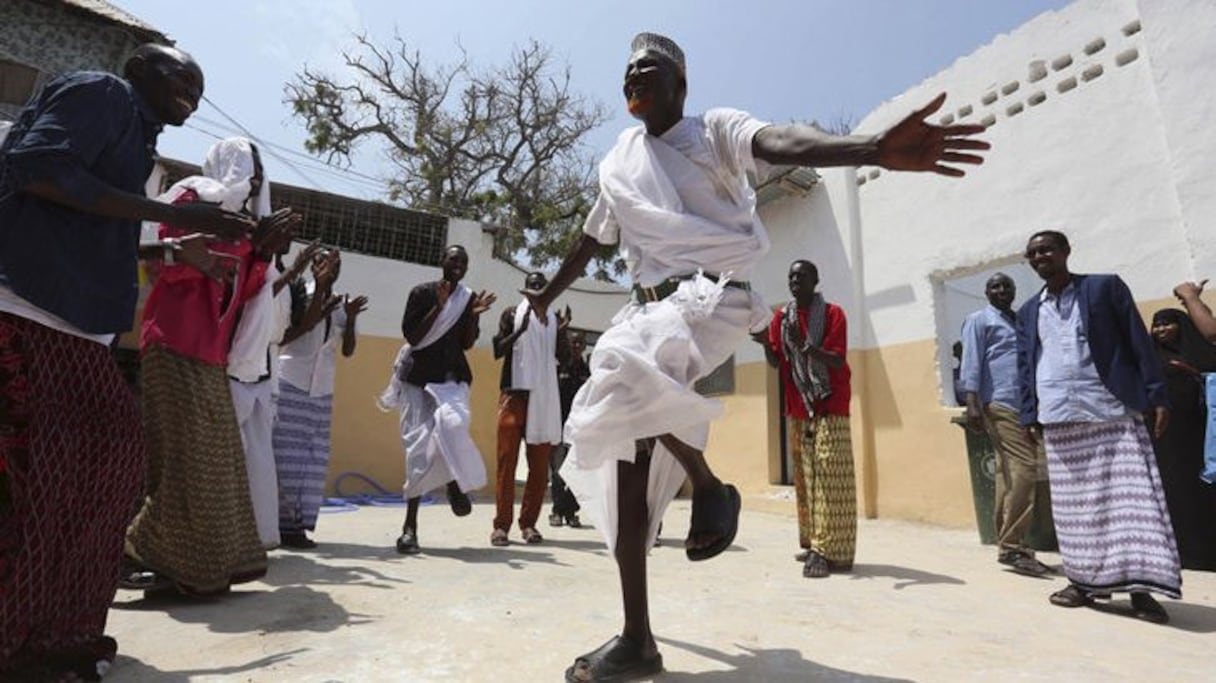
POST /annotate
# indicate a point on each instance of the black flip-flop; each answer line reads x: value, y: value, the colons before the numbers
x: 714, y: 512
x: 619, y: 659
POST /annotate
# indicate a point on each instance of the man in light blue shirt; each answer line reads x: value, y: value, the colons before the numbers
x: 989, y: 380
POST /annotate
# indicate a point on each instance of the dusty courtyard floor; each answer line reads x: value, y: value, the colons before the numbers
x: 922, y: 604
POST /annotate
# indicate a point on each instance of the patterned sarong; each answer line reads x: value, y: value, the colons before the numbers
x: 74, y: 459
x: 826, y: 489
x: 1110, y: 514
x: 301, y: 455
x: 196, y: 526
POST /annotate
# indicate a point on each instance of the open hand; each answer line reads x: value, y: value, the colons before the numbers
x: 194, y: 250
x: 916, y: 145
x: 210, y: 218
x: 483, y: 301
x: 354, y: 306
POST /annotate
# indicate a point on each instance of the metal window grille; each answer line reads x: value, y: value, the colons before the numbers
x: 353, y: 225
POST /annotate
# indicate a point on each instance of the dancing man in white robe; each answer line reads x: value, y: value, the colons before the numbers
x: 674, y: 195
x: 430, y: 385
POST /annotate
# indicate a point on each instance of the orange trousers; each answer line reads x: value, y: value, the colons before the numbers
x: 512, y: 422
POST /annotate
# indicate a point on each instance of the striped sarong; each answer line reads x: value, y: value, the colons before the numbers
x: 196, y: 526
x: 1110, y: 514
x: 74, y: 465
x: 301, y: 455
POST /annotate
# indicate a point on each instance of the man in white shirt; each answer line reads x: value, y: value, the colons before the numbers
x: 674, y: 195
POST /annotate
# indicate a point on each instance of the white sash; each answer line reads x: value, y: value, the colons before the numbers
x: 391, y: 398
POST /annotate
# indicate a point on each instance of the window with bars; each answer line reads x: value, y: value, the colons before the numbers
x: 353, y: 225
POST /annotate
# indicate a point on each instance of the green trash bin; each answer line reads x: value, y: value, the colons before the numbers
x: 981, y: 458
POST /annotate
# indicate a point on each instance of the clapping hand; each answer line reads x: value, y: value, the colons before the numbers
x: 914, y: 144
x: 325, y: 269
x: 274, y: 232
x: 194, y: 250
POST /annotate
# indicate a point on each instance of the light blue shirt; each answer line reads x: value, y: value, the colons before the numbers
x: 990, y: 358
x: 1068, y: 384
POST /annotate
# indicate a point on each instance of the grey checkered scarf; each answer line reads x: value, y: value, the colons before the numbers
x: 810, y: 375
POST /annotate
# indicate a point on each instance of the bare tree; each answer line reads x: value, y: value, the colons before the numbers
x: 500, y: 145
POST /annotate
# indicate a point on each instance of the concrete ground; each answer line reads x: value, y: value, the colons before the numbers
x: 922, y: 604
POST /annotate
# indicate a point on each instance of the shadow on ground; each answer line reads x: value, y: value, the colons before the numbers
x: 128, y: 669
x: 283, y: 610
x: 904, y: 576
x: 770, y: 665
x: 1183, y: 616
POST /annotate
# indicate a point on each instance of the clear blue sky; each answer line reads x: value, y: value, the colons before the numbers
x: 782, y: 60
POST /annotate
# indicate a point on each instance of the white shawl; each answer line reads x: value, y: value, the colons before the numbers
x: 636, y: 182
x: 391, y: 398
x: 534, y: 369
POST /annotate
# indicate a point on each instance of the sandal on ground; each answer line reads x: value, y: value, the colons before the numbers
x: 1145, y: 607
x: 715, y: 511
x: 531, y: 536
x: 459, y: 502
x: 407, y: 542
x: 1071, y: 596
x: 499, y: 538
x: 556, y: 520
x: 574, y: 522
x: 1024, y: 564
x: 619, y: 659
x: 815, y: 566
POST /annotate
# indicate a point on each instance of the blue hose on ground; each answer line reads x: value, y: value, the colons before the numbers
x: 382, y: 497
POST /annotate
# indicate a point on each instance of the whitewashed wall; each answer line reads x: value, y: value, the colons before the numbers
x: 1101, y: 126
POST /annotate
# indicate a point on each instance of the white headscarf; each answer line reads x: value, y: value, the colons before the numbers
x: 225, y: 180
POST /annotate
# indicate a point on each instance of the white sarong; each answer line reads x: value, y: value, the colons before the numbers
x: 435, y: 418
x: 435, y: 434
x: 641, y: 386
x: 534, y: 369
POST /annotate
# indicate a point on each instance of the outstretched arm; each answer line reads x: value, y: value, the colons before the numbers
x: 571, y: 269
x: 913, y: 144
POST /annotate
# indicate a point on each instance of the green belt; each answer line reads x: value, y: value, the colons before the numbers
x: 669, y: 286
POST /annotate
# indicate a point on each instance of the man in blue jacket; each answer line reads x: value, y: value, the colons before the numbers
x: 1089, y: 384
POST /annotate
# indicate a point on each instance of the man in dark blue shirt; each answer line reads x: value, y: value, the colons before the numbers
x: 72, y: 174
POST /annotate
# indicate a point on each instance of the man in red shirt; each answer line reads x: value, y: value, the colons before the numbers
x: 808, y: 339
